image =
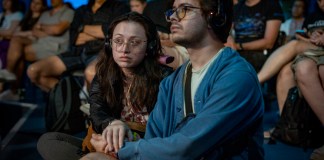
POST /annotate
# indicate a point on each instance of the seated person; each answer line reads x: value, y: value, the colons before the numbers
x: 87, y: 35
x: 256, y: 26
x: 137, y: 5
x: 9, y: 21
x: 193, y: 115
x: 288, y: 52
x: 281, y: 59
x: 22, y: 37
x: 51, y: 36
x: 51, y: 32
x: 294, y: 23
x: 309, y: 72
x: 173, y: 55
x: 124, y: 90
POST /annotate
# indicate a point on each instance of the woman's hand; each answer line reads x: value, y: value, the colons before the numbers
x: 317, y: 37
x: 114, y: 134
x: 231, y: 43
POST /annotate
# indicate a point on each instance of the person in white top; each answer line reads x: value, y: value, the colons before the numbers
x: 10, y: 18
x: 296, y: 21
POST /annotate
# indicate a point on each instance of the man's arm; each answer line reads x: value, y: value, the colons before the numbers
x: 83, y: 38
x: 55, y: 29
x: 94, y: 31
x: 267, y: 42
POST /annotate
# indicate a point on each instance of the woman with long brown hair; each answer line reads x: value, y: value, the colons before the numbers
x: 123, y: 91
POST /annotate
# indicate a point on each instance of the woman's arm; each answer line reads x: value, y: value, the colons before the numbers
x: 8, y: 33
x: 100, y: 113
x: 267, y: 42
x: 113, y: 130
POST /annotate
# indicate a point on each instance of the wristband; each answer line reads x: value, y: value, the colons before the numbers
x: 241, y: 46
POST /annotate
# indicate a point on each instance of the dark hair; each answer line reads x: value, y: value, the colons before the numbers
x: 219, y: 15
x: 147, y: 75
x: 305, y: 8
x: 142, y: 1
x: 17, y: 5
x: 91, y: 3
x: 69, y: 4
x: 28, y: 21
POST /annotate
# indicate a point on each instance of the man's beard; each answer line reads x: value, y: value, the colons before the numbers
x: 188, y: 41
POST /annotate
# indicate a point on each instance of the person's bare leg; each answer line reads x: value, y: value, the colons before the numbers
x: 281, y: 57
x: 45, y: 73
x: 15, y: 52
x: 19, y: 73
x: 308, y: 80
x: 29, y: 54
x: 321, y: 73
x: 285, y: 81
x: 14, y: 60
x: 90, y: 72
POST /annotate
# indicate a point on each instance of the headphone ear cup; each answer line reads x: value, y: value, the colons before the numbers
x: 150, y: 48
x: 217, y: 18
x: 107, y: 44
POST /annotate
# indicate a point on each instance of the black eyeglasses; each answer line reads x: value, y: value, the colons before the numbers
x: 180, y: 12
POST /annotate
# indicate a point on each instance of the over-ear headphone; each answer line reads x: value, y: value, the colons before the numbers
x: 217, y: 18
x: 107, y: 44
x: 150, y: 47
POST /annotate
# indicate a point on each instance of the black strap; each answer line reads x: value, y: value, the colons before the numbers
x: 187, y: 90
x: 63, y: 117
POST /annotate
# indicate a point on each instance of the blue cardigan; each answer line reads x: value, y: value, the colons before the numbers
x: 229, y: 108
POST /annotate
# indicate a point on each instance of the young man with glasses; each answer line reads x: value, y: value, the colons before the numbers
x: 212, y: 106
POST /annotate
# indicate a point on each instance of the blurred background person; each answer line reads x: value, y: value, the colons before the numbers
x: 51, y: 36
x: 256, y: 24
x: 296, y: 21
x: 23, y: 36
x: 137, y: 5
x: 9, y: 21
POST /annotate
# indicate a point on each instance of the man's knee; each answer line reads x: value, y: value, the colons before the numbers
x: 33, y: 72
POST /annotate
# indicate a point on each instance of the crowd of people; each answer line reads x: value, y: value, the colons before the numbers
x: 165, y: 78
